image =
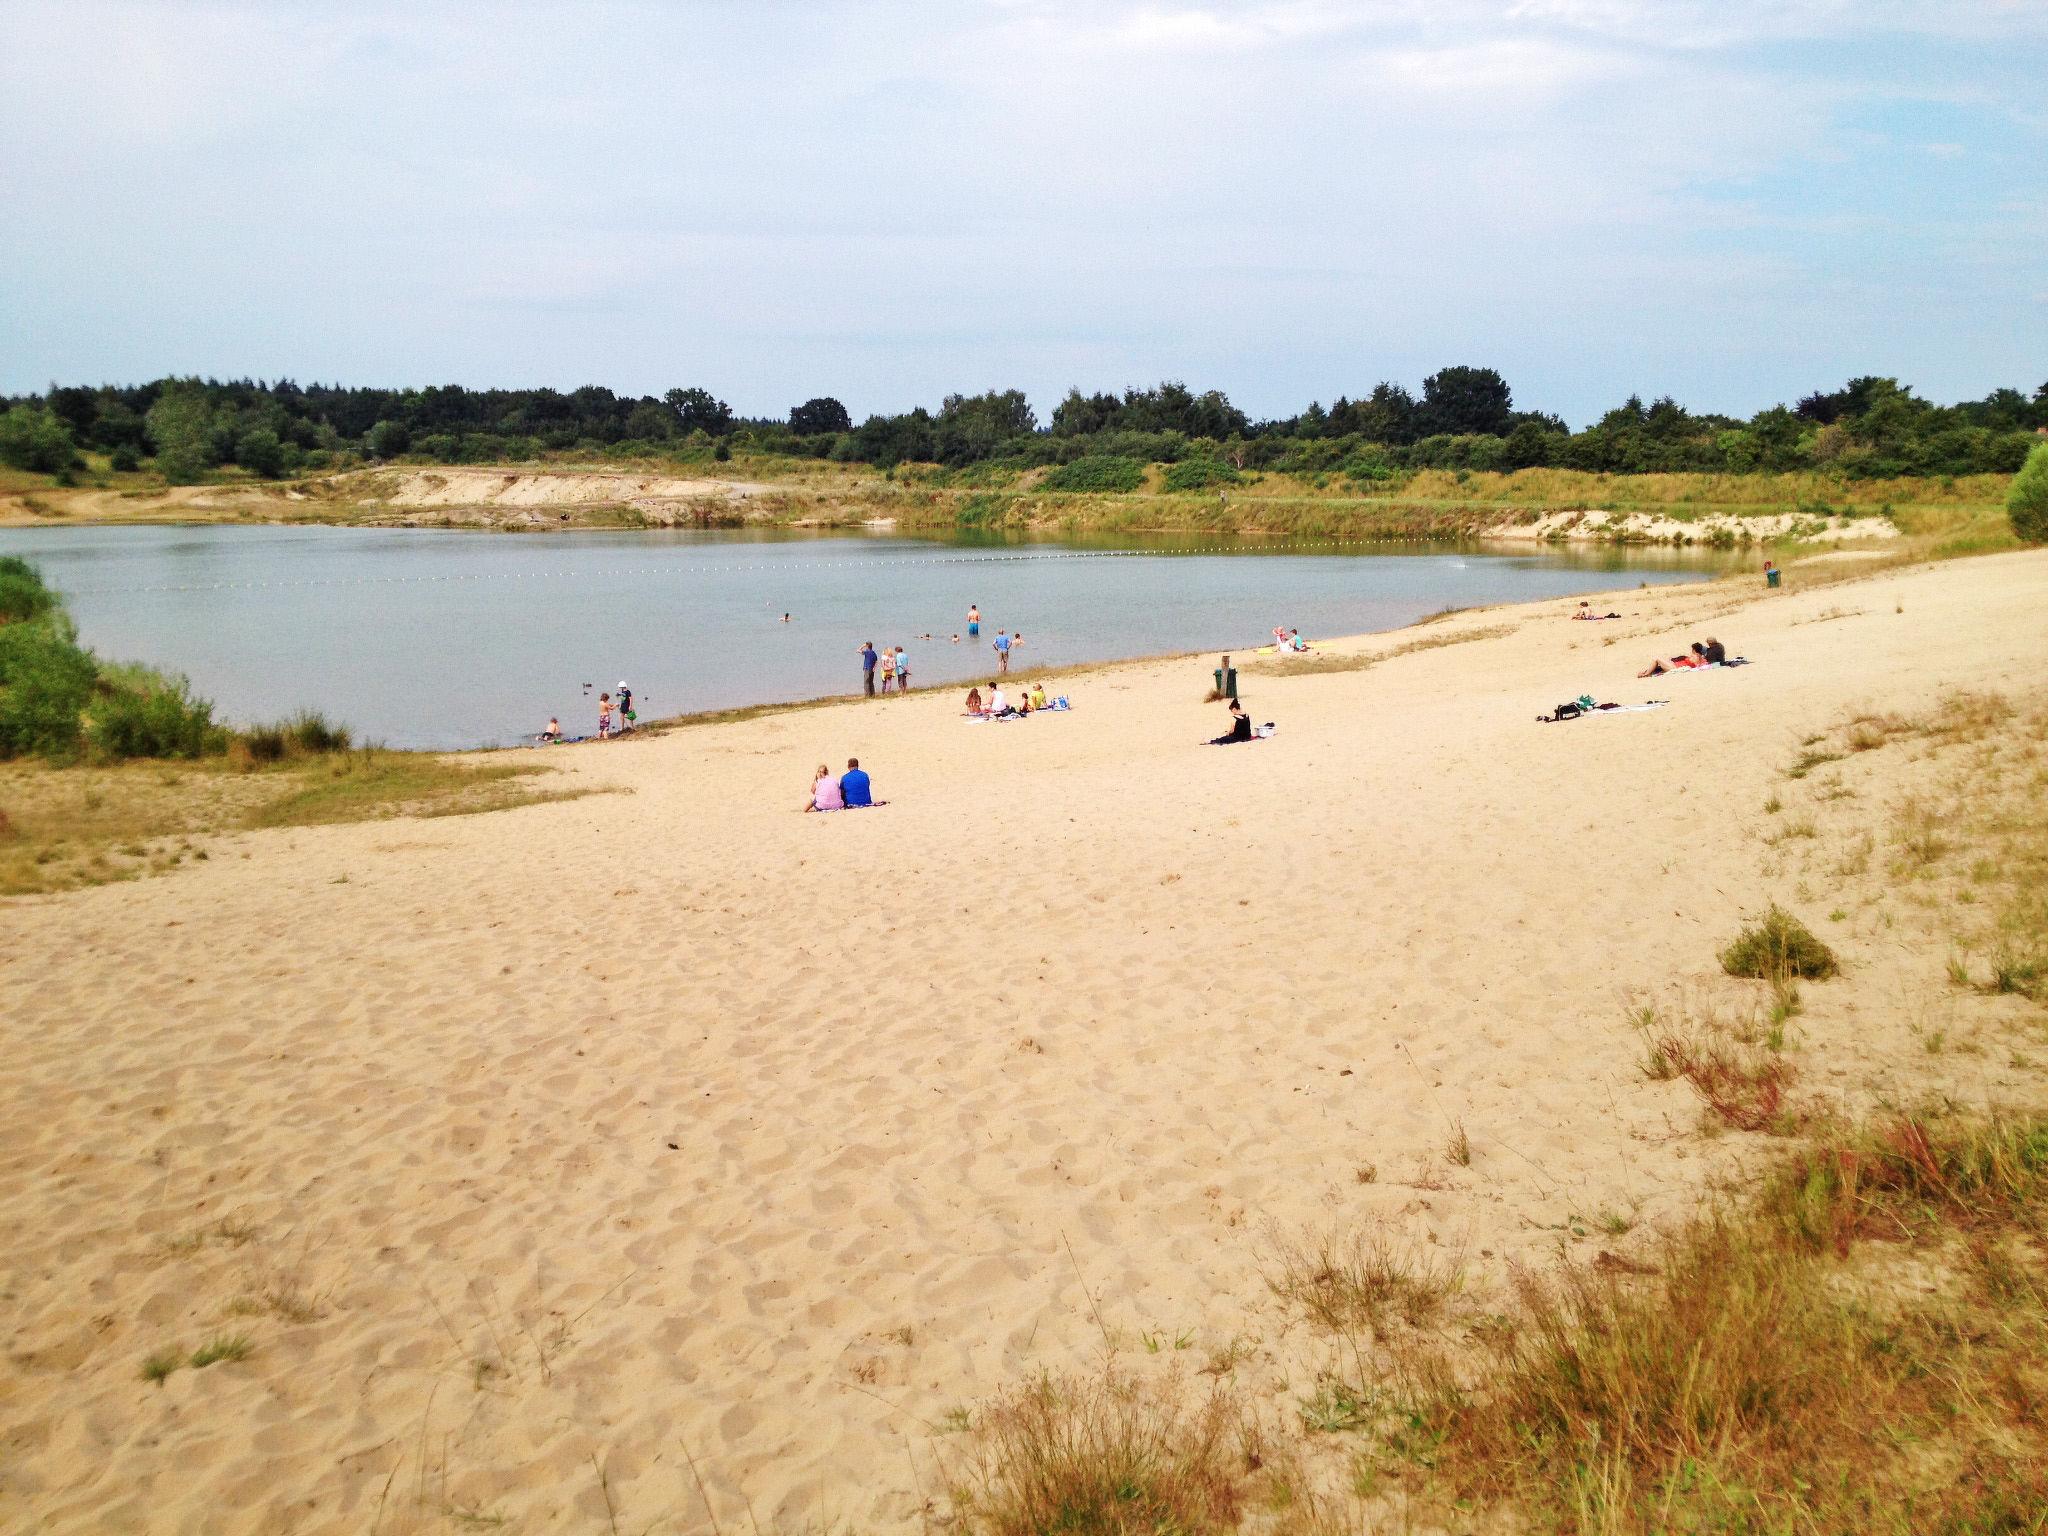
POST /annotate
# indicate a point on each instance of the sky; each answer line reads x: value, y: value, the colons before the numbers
x: 1735, y: 202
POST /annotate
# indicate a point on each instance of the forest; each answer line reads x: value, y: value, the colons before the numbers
x: 1464, y: 418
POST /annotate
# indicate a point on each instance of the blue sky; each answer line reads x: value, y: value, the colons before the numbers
x: 1732, y: 202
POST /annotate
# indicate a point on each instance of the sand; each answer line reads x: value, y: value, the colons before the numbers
x: 542, y: 1153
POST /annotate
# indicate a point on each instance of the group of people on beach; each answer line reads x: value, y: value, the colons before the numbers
x: 848, y: 791
x: 606, y: 705
x: 998, y: 705
x: 893, y: 665
x: 888, y: 669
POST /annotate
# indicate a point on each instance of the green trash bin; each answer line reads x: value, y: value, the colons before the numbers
x: 1226, y: 681
x: 1771, y: 576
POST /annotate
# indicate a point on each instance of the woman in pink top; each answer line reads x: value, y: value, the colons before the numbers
x: 825, y: 794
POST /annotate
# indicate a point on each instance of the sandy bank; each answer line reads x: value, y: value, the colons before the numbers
x: 676, y: 1119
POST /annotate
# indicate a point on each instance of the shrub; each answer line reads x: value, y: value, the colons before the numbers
x: 45, y: 681
x: 32, y: 438
x: 1779, y: 948
x: 123, y: 460
x: 22, y: 593
x: 2027, y: 502
x: 310, y: 732
x: 1200, y: 474
x: 1097, y: 472
x: 306, y: 734
x: 160, y: 718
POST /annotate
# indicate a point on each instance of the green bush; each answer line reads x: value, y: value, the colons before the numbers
x: 161, y: 718
x: 45, y: 681
x: 306, y: 734
x: 2027, y: 502
x: 1097, y: 472
x: 22, y: 593
x: 1200, y: 474
x: 33, y: 438
x: 1777, y: 949
x: 124, y: 460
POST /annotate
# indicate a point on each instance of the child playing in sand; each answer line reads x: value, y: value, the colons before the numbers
x: 604, y: 716
x: 554, y: 730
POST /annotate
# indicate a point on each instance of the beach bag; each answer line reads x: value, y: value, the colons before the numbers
x: 1261, y: 732
x: 1568, y: 711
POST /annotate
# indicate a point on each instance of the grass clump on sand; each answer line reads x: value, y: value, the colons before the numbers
x: 229, y: 1346
x: 1766, y: 1370
x: 1107, y: 1455
x: 1778, y: 948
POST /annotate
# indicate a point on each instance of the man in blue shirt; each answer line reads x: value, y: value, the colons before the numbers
x: 867, y: 665
x: 853, y: 785
x: 1002, y: 650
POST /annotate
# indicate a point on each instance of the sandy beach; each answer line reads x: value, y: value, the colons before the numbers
x: 552, y: 1159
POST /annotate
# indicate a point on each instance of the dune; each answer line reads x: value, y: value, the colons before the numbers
x: 555, y: 1160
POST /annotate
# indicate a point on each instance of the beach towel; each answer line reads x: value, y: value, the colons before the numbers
x: 1712, y: 666
x: 1576, y: 711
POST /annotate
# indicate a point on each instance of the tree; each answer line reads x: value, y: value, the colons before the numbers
x: 35, y: 439
x: 822, y: 414
x: 260, y: 452
x: 181, y: 426
x: 651, y: 423
x: 1466, y: 402
x: 387, y: 440
x: 2027, y: 502
x: 698, y: 410
x: 1387, y: 415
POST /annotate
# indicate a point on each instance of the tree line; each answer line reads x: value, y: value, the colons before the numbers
x: 1463, y: 418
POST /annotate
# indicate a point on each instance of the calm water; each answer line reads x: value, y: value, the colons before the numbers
x: 436, y: 638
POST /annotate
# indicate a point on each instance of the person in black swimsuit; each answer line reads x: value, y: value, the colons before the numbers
x: 1240, y: 727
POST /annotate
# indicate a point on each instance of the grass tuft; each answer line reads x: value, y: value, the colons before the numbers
x: 228, y: 1346
x: 1778, y: 947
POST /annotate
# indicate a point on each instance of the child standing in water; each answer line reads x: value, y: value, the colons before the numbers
x: 604, y: 716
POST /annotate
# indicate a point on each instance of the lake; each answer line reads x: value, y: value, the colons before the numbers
x: 439, y: 638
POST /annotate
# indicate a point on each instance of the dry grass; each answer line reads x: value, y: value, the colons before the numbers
x: 1733, y: 1068
x: 1768, y: 1376
x: 77, y: 826
x: 1110, y: 1454
x: 1363, y: 1284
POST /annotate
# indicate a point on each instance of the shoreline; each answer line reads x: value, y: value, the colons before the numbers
x: 1719, y: 510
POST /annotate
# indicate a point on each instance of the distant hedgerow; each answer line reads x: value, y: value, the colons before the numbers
x: 1097, y: 472
x: 1200, y: 474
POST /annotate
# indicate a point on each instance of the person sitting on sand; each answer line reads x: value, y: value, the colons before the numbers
x: 1715, y: 652
x: 974, y: 701
x: 554, y: 730
x: 854, y: 787
x: 997, y: 704
x: 1038, y: 695
x: 1240, y: 727
x: 825, y: 795
x: 1295, y: 642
